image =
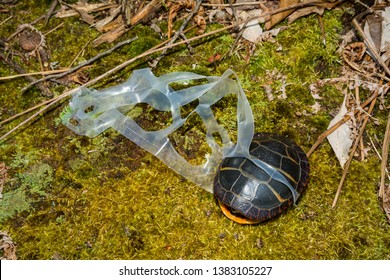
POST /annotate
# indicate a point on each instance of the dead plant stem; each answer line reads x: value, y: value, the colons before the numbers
x: 178, y: 33
x: 379, y: 156
x: 385, y: 155
x: 372, y: 48
x: 233, y: 4
x: 89, y: 61
x: 346, y: 118
x: 352, y: 152
x: 33, y: 74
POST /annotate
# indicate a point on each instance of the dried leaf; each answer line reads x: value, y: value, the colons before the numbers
x: 215, y: 1
x: 110, y: 36
x: 201, y: 23
x: 218, y: 15
x: 3, y: 176
x: 174, y: 8
x: 304, y: 12
x: 316, y: 107
x: 340, y: 139
x: 385, y: 42
x: 7, y: 246
x: 146, y: 12
x: 253, y: 30
x: 214, y: 58
x: 353, y: 54
x: 268, y: 92
x: 275, y: 19
x: 106, y: 23
x: 85, y: 10
x: 373, y: 30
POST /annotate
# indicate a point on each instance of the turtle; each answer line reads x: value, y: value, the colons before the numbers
x: 250, y: 194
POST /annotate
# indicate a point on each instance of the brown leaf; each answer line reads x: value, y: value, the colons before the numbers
x: 353, y: 54
x: 304, y: 12
x: 201, y: 23
x: 110, y: 36
x: 275, y: 19
x: 7, y: 246
x: 146, y: 12
x: 385, y: 42
x: 174, y: 7
x: 109, y: 22
x: 214, y: 58
x: 3, y: 176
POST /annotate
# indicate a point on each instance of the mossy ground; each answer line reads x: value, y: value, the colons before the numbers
x: 105, y: 198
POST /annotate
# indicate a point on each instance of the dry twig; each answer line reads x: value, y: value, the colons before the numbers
x: 89, y: 61
x: 50, y: 12
x: 233, y: 4
x: 16, y: 67
x: 178, y: 33
x: 346, y: 118
x: 352, y: 152
x: 379, y: 155
x: 33, y: 74
x: 385, y: 155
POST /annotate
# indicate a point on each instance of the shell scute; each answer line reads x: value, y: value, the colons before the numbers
x: 250, y: 191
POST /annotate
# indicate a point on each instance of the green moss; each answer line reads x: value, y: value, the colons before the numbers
x: 38, y: 179
x: 29, y: 189
x: 105, y: 198
x: 12, y: 203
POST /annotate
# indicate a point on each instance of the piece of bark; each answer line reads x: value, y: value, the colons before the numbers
x: 148, y: 11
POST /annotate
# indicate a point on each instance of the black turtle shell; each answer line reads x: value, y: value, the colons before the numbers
x: 249, y: 190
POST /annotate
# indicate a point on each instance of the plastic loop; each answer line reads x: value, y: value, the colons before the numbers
x: 92, y: 112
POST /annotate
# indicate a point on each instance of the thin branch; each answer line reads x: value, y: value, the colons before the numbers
x: 4, y: 21
x: 89, y: 61
x: 54, y: 100
x: 79, y: 53
x: 50, y: 12
x: 178, y: 33
x: 54, y: 29
x: 16, y: 67
x: 385, y: 155
x: 379, y: 156
x: 234, y: 5
x: 346, y: 118
x: 33, y: 74
x: 352, y: 152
